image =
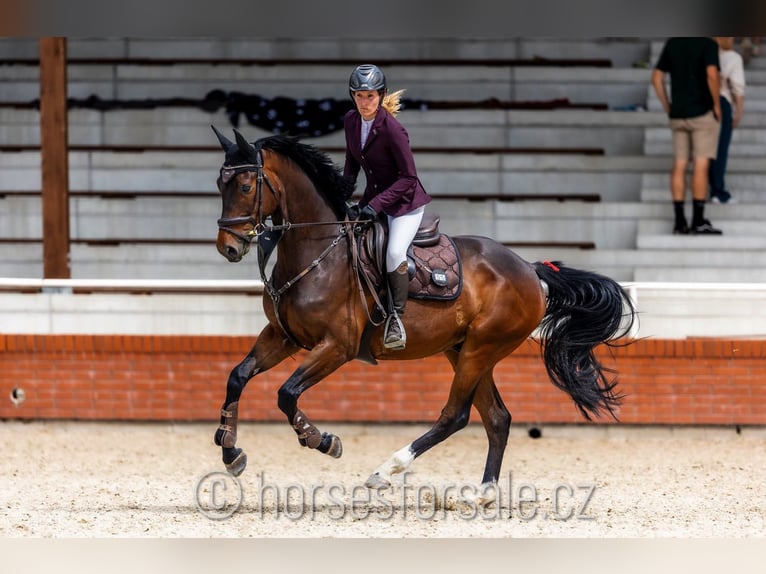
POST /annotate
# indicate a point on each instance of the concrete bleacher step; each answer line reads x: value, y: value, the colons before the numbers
x: 23, y: 259
x: 757, y: 64
x: 745, y: 199
x: 723, y: 311
x: 727, y: 241
x: 616, y: 133
x: 130, y: 261
x: 199, y: 261
x: 754, y: 105
x: 745, y: 142
x: 621, y: 51
x: 639, y: 258
x: 737, y: 234
x: 723, y: 274
x: 741, y: 174
x: 608, y: 225
x: 192, y: 218
x: 738, y: 227
x: 614, y: 178
x: 178, y: 261
x: 615, y: 87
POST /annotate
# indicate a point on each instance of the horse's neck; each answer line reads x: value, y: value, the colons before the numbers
x: 303, y: 204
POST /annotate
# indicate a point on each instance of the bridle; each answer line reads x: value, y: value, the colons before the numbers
x: 259, y: 226
x: 227, y: 173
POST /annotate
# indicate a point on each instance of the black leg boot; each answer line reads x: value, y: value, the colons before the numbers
x: 398, y: 285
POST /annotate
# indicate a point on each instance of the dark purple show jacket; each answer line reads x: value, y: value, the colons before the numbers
x: 393, y: 186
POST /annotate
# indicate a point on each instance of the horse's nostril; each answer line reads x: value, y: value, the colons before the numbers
x: 231, y: 252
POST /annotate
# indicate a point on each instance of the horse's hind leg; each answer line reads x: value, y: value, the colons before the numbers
x: 269, y: 350
x: 454, y: 416
x: 497, y: 423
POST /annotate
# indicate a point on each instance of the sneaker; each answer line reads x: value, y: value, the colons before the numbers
x: 705, y: 228
x: 722, y: 197
x: 681, y: 228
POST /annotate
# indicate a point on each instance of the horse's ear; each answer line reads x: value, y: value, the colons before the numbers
x: 226, y: 144
x: 245, y: 147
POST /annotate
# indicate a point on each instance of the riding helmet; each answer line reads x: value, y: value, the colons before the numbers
x: 367, y: 77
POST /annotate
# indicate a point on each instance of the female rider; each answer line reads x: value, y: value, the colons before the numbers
x: 378, y: 144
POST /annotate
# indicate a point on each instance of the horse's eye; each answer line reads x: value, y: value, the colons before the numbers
x: 245, y: 188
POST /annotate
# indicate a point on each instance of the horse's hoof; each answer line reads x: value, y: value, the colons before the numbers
x: 377, y: 482
x: 336, y: 447
x: 486, y: 495
x: 237, y: 466
x: 331, y: 445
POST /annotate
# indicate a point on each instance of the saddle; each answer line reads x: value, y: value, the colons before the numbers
x: 433, y: 262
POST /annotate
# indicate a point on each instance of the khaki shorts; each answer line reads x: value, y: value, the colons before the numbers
x: 695, y: 137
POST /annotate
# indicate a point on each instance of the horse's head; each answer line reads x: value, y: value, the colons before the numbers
x: 247, y: 203
x: 252, y: 192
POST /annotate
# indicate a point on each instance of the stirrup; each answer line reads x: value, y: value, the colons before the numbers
x: 395, y: 344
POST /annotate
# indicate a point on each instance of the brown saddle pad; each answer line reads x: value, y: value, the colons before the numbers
x: 434, y: 268
x: 438, y: 274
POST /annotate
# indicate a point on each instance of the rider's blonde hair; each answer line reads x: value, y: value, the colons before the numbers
x: 392, y: 102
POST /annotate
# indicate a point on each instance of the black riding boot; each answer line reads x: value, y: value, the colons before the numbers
x: 398, y: 285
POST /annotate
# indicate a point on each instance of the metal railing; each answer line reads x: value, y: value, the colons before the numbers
x: 634, y: 288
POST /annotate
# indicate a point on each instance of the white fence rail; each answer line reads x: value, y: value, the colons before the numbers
x: 132, y: 285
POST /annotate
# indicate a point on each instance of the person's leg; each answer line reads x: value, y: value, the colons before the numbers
x: 678, y: 190
x: 705, y: 130
x: 699, y: 194
x: 681, y: 151
x: 678, y: 179
x: 700, y: 170
x: 717, y: 169
x: 401, y: 232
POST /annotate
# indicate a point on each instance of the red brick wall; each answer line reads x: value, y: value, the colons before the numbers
x: 183, y: 378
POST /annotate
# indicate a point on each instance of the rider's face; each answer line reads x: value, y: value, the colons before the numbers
x: 367, y: 102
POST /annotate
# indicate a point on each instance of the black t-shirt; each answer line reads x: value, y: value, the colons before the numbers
x: 686, y: 60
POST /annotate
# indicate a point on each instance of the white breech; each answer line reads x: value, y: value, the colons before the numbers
x: 401, y: 232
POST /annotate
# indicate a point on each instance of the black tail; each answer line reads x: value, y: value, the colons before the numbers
x: 584, y: 310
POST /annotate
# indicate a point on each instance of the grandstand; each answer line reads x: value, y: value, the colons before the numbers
x: 556, y: 148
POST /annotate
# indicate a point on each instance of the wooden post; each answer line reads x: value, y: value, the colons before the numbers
x: 54, y: 151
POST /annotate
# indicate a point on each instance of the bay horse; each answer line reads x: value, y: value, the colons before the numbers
x: 279, y: 191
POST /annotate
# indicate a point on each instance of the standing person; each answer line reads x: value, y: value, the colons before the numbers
x: 694, y: 110
x: 377, y: 143
x: 732, y: 108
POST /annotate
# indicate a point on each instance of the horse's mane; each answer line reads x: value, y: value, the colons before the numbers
x: 317, y: 165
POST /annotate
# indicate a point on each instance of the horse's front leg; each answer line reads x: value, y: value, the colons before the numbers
x: 321, y: 362
x: 269, y: 350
